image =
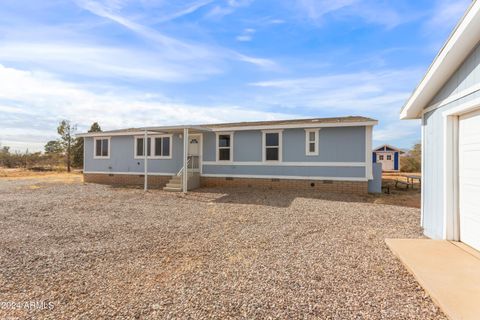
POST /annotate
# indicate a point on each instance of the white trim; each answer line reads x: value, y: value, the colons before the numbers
x: 285, y: 177
x: 217, y: 146
x: 132, y: 173
x: 236, y: 128
x: 300, y: 126
x: 309, y: 153
x: 459, y: 45
x: 285, y: 164
x: 280, y: 146
x: 451, y: 214
x: 95, y: 147
x: 422, y: 184
x: 368, y: 153
x: 453, y: 98
x: 297, y: 126
x: 152, y: 147
x: 111, y: 134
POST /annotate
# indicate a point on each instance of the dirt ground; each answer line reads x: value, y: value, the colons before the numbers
x: 74, y: 250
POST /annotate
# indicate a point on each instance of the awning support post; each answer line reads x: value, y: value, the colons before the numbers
x: 145, y: 153
x: 185, y: 161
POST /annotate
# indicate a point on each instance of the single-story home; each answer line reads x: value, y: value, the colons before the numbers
x: 326, y: 154
x: 388, y: 156
x: 447, y: 101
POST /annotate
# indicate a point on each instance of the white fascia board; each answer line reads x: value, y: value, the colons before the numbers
x: 457, y: 48
x: 297, y: 126
x: 113, y: 134
x: 155, y: 130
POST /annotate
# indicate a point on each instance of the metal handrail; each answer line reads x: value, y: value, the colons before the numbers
x: 180, y: 172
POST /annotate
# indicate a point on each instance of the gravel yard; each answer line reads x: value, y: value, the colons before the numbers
x: 94, y: 251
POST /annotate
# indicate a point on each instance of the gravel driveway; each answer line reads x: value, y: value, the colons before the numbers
x: 91, y: 251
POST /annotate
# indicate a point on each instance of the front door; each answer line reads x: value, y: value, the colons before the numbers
x: 194, y: 148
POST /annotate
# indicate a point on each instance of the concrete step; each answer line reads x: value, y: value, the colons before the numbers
x: 172, y: 189
x: 176, y: 178
x: 174, y: 185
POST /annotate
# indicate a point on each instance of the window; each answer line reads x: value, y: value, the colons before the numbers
x: 311, y: 142
x: 224, y: 147
x: 272, y: 146
x: 102, y: 148
x: 389, y: 157
x: 380, y: 157
x: 161, y: 148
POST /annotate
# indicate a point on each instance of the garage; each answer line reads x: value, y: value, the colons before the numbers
x: 469, y: 178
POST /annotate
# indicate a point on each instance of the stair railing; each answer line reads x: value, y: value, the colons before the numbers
x: 180, y: 172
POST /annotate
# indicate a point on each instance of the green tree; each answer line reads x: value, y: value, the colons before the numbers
x: 77, y: 160
x: 66, y: 131
x: 53, y: 146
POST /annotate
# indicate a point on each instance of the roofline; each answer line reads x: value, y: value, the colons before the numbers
x: 141, y: 131
x: 156, y: 130
x: 297, y: 126
x: 389, y: 146
x: 456, y: 49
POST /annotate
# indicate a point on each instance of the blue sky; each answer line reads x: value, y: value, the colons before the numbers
x: 127, y: 63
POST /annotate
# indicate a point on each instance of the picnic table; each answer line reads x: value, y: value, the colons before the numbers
x: 410, y: 181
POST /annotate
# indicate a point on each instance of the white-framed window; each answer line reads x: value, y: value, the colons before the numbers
x: 272, y: 145
x: 224, y: 146
x: 380, y: 157
x: 101, y: 148
x: 158, y: 147
x: 311, y: 142
x: 389, y: 157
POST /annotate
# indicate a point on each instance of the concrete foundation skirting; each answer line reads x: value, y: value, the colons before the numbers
x: 351, y: 187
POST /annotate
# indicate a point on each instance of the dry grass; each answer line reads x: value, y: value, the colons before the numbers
x: 47, y: 176
x: 101, y: 252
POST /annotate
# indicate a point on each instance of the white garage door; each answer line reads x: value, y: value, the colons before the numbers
x: 469, y: 179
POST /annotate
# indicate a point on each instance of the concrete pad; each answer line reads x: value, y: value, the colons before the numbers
x: 448, y: 271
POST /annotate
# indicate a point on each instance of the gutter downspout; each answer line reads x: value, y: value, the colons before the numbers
x: 145, y: 153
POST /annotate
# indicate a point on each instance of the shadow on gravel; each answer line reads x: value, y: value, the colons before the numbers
x: 272, y: 198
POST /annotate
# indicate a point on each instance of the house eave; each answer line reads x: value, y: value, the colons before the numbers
x: 461, y: 42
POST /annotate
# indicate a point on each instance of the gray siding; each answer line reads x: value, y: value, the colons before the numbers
x: 209, y: 146
x: 341, y: 144
x: 247, y: 146
x: 467, y: 76
x: 338, y: 144
x: 122, y: 157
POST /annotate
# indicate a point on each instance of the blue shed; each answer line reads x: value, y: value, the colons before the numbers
x: 388, y: 156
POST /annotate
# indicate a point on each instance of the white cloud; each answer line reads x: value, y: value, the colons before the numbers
x: 361, y: 91
x: 246, y: 35
x: 445, y: 14
x: 175, y: 49
x: 369, y: 11
x: 32, y: 104
x: 378, y: 94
